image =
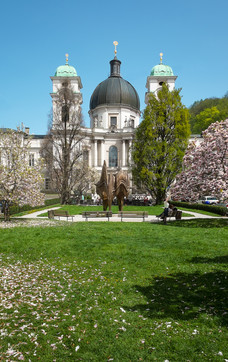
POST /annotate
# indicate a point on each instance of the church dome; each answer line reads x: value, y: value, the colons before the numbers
x: 115, y: 90
x: 66, y: 70
x: 162, y: 70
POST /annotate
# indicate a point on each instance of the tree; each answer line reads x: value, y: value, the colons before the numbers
x: 207, y: 111
x: 205, y: 166
x: 63, y: 146
x: 203, y: 120
x: 19, y: 183
x: 85, y: 178
x: 160, y: 142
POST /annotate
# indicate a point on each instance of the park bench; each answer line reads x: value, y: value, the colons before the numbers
x: 133, y: 214
x: 59, y: 214
x: 175, y: 213
x: 172, y: 213
x: 94, y: 214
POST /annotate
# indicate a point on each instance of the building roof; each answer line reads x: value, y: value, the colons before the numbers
x: 115, y: 90
x: 66, y: 70
x: 162, y: 70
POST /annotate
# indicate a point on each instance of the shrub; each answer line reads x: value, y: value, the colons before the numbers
x: 220, y: 210
x: 16, y: 209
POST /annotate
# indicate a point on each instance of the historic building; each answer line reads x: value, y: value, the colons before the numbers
x: 114, y: 113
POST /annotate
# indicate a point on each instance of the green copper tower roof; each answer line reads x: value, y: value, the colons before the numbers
x: 66, y: 70
x: 162, y: 69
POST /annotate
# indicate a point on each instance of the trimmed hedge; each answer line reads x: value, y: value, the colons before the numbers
x: 15, y: 209
x: 220, y: 210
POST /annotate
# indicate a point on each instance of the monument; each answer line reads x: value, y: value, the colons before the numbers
x: 110, y: 186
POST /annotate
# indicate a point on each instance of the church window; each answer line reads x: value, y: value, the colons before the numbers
x: 132, y: 122
x: 47, y: 183
x: 113, y: 121
x: 65, y: 113
x: 113, y: 156
x: 31, y: 160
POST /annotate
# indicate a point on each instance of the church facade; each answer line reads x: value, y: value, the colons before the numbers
x: 114, y: 114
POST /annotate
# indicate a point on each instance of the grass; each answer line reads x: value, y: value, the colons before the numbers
x: 114, y: 291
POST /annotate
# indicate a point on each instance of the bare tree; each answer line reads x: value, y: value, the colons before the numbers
x: 63, y: 146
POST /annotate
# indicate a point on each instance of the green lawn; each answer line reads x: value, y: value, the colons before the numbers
x: 114, y: 292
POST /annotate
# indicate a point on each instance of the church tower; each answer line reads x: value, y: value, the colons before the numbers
x: 160, y: 73
x: 66, y: 76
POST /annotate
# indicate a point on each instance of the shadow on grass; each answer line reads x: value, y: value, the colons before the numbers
x: 185, y: 296
x: 200, y: 223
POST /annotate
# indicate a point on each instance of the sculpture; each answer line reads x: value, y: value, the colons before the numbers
x: 121, y: 187
x: 104, y: 188
x: 107, y: 188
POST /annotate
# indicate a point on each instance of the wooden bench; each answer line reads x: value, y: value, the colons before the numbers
x: 59, y: 214
x: 133, y: 214
x: 94, y: 214
x: 172, y: 213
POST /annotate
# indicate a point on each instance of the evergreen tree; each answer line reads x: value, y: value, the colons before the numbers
x: 160, y: 142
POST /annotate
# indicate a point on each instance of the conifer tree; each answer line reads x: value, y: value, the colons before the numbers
x: 160, y: 143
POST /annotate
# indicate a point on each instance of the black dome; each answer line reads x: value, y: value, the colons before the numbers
x: 115, y: 90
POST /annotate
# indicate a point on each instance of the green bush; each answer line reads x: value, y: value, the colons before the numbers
x: 52, y: 201
x: 220, y: 210
x: 15, y: 209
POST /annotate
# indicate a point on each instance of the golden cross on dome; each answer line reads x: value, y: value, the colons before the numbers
x: 115, y: 44
x: 161, y: 55
x: 67, y: 55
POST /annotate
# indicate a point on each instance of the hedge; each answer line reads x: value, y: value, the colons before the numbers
x: 220, y: 210
x: 15, y: 209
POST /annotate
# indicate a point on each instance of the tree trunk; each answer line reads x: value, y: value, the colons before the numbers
x: 6, y: 211
x: 160, y: 197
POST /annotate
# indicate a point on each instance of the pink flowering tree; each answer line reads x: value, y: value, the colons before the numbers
x: 19, y: 183
x: 205, y: 166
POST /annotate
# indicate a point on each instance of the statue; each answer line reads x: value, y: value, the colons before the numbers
x: 107, y: 188
x: 121, y: 187
x: 104, y: 188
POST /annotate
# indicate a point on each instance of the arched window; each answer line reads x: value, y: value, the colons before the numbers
x: 113, y: 156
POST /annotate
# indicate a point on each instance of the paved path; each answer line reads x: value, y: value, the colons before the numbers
x: 151, y: 218
x: 35, y: 214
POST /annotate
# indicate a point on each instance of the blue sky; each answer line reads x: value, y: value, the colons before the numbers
x: 35, y: 35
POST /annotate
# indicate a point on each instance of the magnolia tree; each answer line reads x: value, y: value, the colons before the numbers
x: 19, y: 183
x: 205, y: 166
